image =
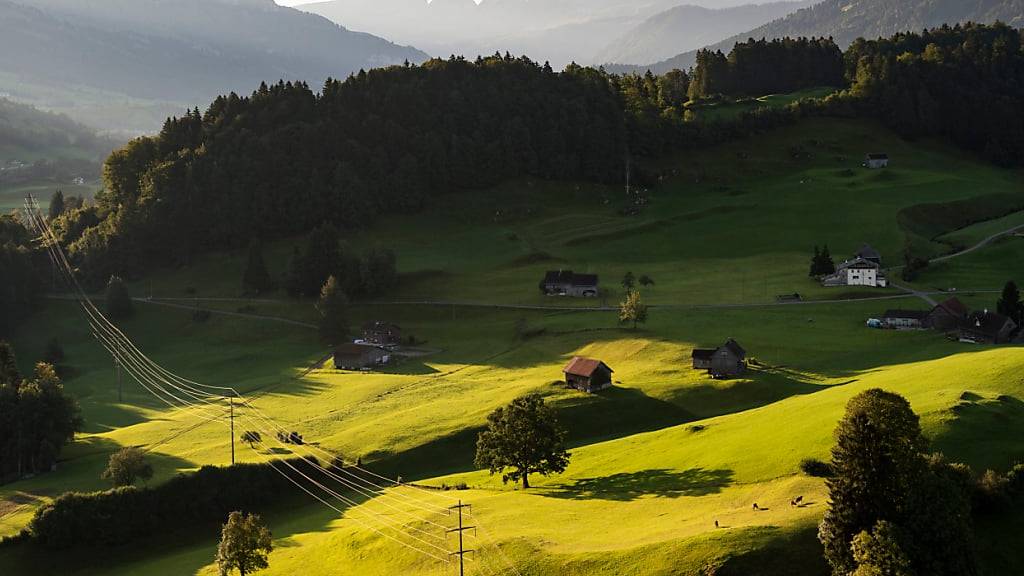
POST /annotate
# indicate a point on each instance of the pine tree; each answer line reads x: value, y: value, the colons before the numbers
x: 8, y: 364
x: 828, y: 266
x: 56, y: 205
x: 815, y: 263
x: 1010, y: 305
x: 256, y: 279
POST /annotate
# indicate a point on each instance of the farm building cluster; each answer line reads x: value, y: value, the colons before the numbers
x: 374, y: 349
x: 953, y: 318
x: 864, y: 269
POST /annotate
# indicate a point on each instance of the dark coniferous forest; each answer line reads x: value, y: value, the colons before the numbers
x: 285, y: 159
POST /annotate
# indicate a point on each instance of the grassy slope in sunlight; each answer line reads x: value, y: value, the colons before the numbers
x: 736, y: 224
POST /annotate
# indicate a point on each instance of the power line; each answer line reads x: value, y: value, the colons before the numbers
x: 151, y: 375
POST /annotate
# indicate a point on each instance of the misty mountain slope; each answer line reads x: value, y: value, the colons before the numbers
x: 689, y: 27
x: 183, y: 51
x: 559, y: 31
x: 847, y: 20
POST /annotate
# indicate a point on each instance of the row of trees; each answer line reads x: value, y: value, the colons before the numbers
x: 324, y: 255
x: 37, y: 417
x: 822, y: 263
x: 758, y: 67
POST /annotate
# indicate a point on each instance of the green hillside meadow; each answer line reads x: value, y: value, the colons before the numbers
x: 657, y: 459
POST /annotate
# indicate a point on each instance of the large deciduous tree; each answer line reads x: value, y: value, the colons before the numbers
x: 333, y: 309
x: 244, y: 545
x: 522, y: 438
x: 633, y: 309
x: 36, y: 417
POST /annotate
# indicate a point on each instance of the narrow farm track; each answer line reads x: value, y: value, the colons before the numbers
x: 981, y: 244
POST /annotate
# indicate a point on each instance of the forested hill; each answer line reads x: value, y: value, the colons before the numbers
x: 27, y: 133
x: 284, y: 159
x: 179, y: 51
x: 846, y: 20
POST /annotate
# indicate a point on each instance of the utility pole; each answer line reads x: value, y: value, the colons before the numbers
x: 231, y: 401
x: 462, y: 551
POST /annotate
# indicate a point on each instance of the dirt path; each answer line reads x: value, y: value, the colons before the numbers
x: 981, y: 244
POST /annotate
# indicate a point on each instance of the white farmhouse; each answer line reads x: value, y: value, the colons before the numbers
x: 857, y: 272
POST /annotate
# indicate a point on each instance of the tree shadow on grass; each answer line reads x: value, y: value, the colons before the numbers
x: 983, y: 432
x: 628, y: 486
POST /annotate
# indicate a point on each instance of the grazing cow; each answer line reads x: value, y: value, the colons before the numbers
x: 716, y: 523
x: 756, y: 507
x: 796, y: 501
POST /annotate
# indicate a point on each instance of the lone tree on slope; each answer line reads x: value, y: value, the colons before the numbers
x: 252, y: 438
x: 244, y: 545
x: 126, y: 466
x: 119, y: 303
x: 521, y: 439
x: 633, y: 309
x: 333, y: 308
x: 256, y: 279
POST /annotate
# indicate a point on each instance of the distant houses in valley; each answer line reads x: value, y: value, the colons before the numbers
x: 876, y: 160
x: 954, y: 318
x: 726, y: 361
x: 354, y: 356
x: 864, y: 269
x: 567, y: 283
x: 587, y: 375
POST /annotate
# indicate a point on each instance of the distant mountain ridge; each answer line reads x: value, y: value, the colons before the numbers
x: 847, y: 20
x: 689, y: 27
x: 558, y: 31
x: 174, y: 51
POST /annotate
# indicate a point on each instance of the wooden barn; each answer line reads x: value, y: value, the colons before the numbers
x: 948, y: 315
x: 729, y: 360
x: 587, y: 374
x: 726, y: 361
x: 987, y: 328
x: 702, y: 358
x: 359, y: 357
x: 382, y: 333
